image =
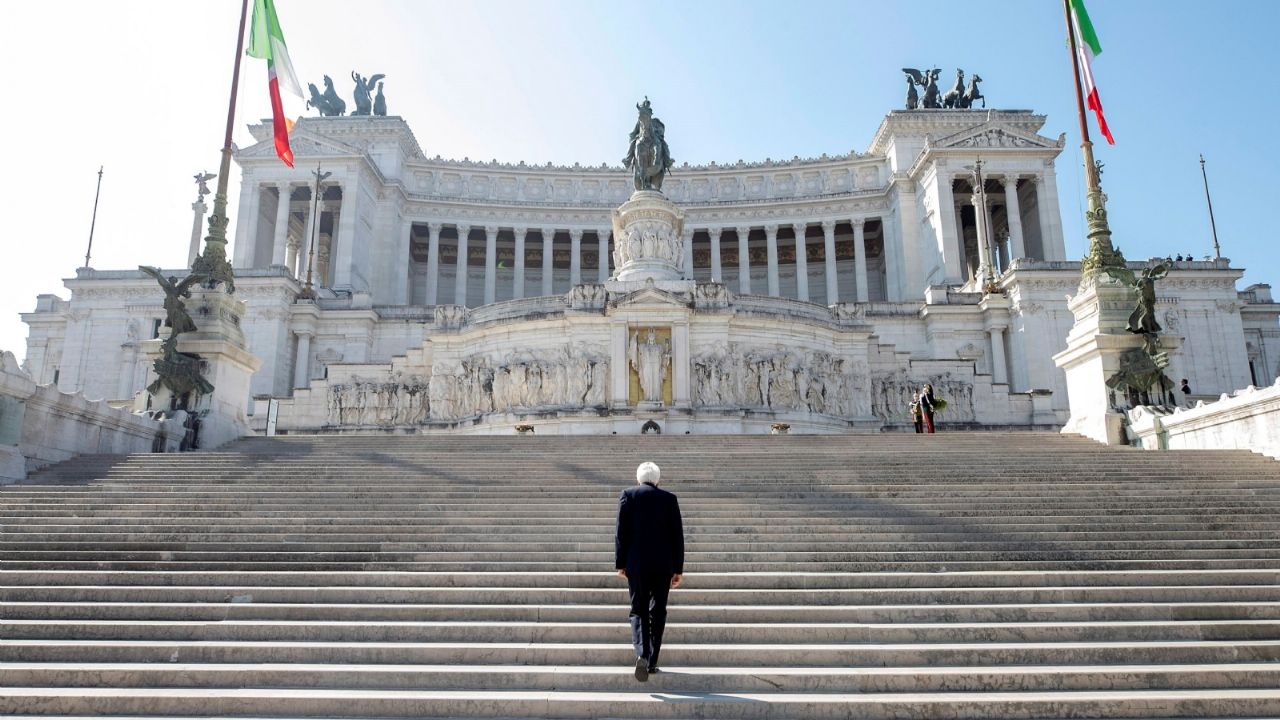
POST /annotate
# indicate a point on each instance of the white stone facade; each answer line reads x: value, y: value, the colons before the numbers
x: 851, y: 273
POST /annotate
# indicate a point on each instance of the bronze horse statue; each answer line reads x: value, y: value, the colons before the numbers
x: 972, y: 93
x: 329, y: 104
x: 648, y: 156
x: 955, y: 96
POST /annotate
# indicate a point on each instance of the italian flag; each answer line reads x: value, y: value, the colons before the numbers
x: 266, y: 41
x: 1088, y: 48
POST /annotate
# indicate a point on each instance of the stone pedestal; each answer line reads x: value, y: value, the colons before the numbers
x: 1094, y: 346
x: 225, y: 362
x: 648, y: 233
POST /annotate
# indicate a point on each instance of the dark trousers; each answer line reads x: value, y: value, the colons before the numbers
x: 928, y: 420
x: 648, y: 614
x: 919, y: 424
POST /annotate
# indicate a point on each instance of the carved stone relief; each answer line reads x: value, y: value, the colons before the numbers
x: 891, y: 396
x: 566, y: 378
x: 736, y: 375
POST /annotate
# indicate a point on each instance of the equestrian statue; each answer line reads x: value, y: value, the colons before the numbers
x: 648, y: 156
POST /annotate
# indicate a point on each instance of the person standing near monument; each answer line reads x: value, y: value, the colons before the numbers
x: 917, y: 418
x: 927, y: 406
x: 649, y: 553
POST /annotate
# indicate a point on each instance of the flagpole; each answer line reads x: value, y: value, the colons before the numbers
x: 94, y: 222
x: 214, y: 260
x: 1217, y: 251
x: 1101, y: 253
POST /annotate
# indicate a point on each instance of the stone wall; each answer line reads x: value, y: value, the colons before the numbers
x: 1248, y: 420
x: 40, y: 425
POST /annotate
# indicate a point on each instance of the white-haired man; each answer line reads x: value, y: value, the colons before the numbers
x: 649, y: 553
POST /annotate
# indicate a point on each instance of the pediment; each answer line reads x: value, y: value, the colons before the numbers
x: 992, y: 135
x: 303, y: 144
x: 650, y: 297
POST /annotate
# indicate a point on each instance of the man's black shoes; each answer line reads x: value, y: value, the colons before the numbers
x: 642, y: 669
x: 653, y: 669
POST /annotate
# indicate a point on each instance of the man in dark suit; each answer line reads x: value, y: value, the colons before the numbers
x: 649, y: 553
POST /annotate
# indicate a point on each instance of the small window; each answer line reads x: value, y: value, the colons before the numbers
x: 156, y: 324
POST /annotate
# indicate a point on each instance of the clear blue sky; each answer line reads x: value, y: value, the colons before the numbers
x: 141, y: 88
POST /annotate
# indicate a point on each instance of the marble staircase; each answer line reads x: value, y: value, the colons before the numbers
x: 966, y: 575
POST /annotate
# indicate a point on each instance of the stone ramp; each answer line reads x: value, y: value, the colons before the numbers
x: 1019, y: 575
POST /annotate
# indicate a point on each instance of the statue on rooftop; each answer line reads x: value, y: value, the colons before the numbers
x: 363, y: 92
x: 928, y: 81
x: 953, y: 97
x: 648, y: 156
x: 328, y: 103
x: 380, y: 102
x: 971, y: 93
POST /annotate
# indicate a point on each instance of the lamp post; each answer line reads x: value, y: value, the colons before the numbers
x: 308, y: 292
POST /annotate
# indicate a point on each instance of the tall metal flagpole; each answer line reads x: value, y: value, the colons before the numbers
x: 1217, y: 251
x: 1102, y: 254
x: 94, y: 222
x: 214, y: 260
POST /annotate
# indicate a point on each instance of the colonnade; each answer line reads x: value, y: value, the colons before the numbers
x: 1010, y: 240
x: 518, y: 239
x: 292, y: 230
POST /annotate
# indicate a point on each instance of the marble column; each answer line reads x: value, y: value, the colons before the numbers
x: 744, y: 260
x: 302, y: 360
x: 460, y: 281
x: 893, y: 259
x: 1017, y: 248
x: 197, y: 230
x: 1050, y: 218
x: 246, y: 225
x: 490, y: 264
x: 548, y: 245
x: 344, y: 237
x: 829, y: 261
x: 433, y: 263
x: 948, y: 225
x: 602, y: 239
x: 861, y: 291
x: 404, y: 292
x: 802, y: 263
x: 575, y: 257
x: 280, y: 239
x: 999, y: 371
x: 716, y: 275
x: 688, y: 254
x: 517, y: 281
x: 771, y: 242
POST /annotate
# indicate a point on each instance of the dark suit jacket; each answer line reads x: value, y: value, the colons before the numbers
x: 650, y: 535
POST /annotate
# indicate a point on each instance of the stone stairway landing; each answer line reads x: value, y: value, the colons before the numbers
x: 1019, y: 575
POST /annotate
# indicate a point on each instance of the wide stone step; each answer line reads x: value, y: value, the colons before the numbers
x: 313, y: 702
x: 581, y: 632
x: 619, y: 679
x: 620, y: 654
x: 618, y: 597
x: 727, y: 581
x: 373, y: 611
